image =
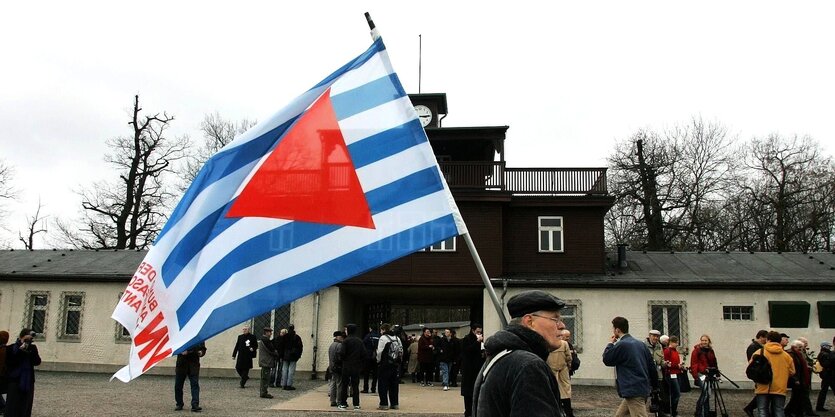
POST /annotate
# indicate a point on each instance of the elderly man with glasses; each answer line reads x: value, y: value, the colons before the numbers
x: 516, y: 380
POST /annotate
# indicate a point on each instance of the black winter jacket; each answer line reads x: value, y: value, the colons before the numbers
x: 519, y: 384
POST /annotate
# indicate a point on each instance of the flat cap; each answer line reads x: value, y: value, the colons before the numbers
x: 268, y: 329
x: 826, y: 345
x: 533, y: 301
x: 784, y: 335
x: 655, y: 332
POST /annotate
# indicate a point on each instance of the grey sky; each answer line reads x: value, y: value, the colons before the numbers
x: 569, y: 79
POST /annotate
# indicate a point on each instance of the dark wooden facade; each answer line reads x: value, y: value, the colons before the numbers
x: 501, y: 207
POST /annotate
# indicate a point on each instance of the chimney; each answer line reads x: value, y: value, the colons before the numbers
x: 622, y: 256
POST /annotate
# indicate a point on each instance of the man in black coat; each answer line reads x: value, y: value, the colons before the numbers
x: 293, y: 348
x: 351, y: 359
x: 757, y: 343
x: 472, y: 359
x: 518, y: 381
x: 827, y: 361
x: 188, y: 365
x: 245, y: 350
x: 21, y: 359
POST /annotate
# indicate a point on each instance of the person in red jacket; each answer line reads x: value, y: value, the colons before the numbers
x: 672, y: 362
x: 702, y: 358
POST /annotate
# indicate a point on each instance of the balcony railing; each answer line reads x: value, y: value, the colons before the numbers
x: 495, y: 176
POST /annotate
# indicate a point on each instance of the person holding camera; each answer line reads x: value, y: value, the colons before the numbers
x: 21, y: 359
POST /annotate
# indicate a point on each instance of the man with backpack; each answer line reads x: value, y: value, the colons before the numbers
x: 771, y: 392
x: 389, y: 354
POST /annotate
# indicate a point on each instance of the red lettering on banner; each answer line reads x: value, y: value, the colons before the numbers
x: 154, y: 340
x: 132, y: 300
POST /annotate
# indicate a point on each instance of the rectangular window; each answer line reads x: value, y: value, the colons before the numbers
x: 669, y: 317
x: 570, y: 315
x: 791, y: 314
x: 550, y: 234
x: 738, y: 312
x: 38, y: 303
x: 444, y: 246
x: 72, y: 305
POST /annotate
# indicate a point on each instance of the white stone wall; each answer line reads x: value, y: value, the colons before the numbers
x: 98, y: 350
x: 703, y: 316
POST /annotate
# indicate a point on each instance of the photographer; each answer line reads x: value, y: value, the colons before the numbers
x: 703, y: 362
x: 21, y: 359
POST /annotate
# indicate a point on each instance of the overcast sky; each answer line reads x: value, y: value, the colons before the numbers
x: 569, y: 79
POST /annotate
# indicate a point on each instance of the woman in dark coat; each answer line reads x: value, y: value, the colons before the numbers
x: 472, y: 359
x: 426, y: 359
x: 4, y: 338
x: 21, y: 359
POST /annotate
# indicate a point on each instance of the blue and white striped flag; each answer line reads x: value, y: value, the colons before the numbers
x: 339, y: 182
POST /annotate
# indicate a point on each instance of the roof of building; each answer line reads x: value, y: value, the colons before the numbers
x: 69, y: 265
x: 791, y: 270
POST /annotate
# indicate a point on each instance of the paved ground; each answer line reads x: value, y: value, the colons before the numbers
x: 74, y: 394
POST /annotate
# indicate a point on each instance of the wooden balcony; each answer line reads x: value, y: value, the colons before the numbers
x: 495, y: 176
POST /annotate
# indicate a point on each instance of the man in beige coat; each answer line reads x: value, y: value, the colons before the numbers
x: 560, y: 362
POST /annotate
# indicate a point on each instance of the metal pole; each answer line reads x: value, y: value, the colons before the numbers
x: 485, y: 279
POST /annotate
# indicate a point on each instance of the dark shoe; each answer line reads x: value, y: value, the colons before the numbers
x: 748, y: 412
x: 196, y: 409
x: 243, y: 383
x: 266, y: 396
x: 289, y: 388
x: 374, y: 391
x: 394, y: 406
x: 365, y: 391
x: 178, y: 408
x: 333, y: 404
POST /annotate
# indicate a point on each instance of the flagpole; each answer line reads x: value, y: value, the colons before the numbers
x: 375, y: 34
x: 485, y: 278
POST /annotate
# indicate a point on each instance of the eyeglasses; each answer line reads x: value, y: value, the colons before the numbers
x: 556, y: 320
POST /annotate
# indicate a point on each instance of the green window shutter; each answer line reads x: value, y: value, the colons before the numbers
x: 826, y: 314
x: 789, y: 314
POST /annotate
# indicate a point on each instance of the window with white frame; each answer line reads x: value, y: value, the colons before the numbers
x: 738, y: 312
x: 447, y: 245
x: 37, y: 304
x: 550, y: 234
x: 570, y: 316
x: 72, y: 307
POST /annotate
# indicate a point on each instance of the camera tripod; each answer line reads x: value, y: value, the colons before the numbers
x: 711, y: 384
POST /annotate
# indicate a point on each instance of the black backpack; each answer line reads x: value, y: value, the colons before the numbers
x: 759, y: 370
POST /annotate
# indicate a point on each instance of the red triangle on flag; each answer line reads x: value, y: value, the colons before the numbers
x: 309, y: 176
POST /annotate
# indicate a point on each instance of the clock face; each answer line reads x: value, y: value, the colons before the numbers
x: 424, y: 114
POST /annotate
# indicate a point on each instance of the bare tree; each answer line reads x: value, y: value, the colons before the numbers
x: 217, y: 133
x: 34, y: 225
x: 7, y: 192
x: 791, y: 182
x: 670, y: 185
x: 128, y: 213
x: 640, y: 171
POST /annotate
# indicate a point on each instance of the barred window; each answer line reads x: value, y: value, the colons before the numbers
x: 36, y: 309
x: 669, y: 317
x: 72, y: 306
x: 550, y: 234
x: 738, y: 312
x: 571, y: 317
